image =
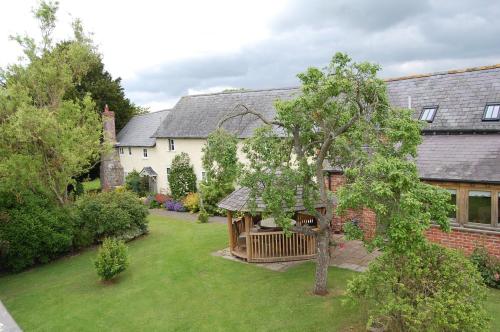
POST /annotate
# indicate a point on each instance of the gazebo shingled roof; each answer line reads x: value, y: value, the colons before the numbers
x: 239, y: 200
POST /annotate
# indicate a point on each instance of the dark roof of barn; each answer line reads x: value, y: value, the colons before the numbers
x: 140, y: 129
x: 239, y: 200
x: 463, y: 158
x: 461, y: 96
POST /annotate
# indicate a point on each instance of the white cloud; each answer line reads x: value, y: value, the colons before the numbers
x: 165, y: 49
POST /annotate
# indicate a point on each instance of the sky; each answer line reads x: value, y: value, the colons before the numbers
x: 163, y: 50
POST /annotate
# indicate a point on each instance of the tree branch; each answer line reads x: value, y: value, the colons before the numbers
x: 246, y: 111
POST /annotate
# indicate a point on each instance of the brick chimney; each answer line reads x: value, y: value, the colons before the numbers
x: 111, y: 168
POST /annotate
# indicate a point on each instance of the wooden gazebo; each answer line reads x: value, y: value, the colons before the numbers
x: 250, y: 240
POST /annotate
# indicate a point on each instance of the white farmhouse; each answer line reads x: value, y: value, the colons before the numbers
x: 149, y: 142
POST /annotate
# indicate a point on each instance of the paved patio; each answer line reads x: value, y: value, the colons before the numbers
x: 351, y: 255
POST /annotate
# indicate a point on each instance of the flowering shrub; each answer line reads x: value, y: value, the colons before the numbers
x: 162, y: 198
x: 175, y: 206
x: 192, y: 202
x: 488, y: 266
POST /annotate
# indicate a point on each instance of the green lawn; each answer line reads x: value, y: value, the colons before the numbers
x: 92, y: 185
x: 175, y: 284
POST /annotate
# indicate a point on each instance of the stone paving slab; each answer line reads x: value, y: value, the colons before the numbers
x: 351, y: 255
x: 7, y: 323
x: 277, y: 266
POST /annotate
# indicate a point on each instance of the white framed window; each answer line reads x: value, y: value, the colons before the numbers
x: 145, y: 153
x: 168, y: 172
x: 428, y: 113
x: 203, y: 175
x: 120, y: 149
x: 171, y: 144
x: 491, y: 112
x: 129, y: 150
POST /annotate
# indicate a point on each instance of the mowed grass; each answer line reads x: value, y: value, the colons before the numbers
x: 92, y: 185
x: 175, y: 284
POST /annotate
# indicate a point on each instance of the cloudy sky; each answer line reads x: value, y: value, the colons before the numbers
x: 166, y: 49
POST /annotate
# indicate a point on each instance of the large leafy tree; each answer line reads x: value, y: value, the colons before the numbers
x: 104, y: 90
x: 414, y: 282
x: 46, y: 139
x: 338, y: 112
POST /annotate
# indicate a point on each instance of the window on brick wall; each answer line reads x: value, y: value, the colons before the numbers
x: 480, y: 207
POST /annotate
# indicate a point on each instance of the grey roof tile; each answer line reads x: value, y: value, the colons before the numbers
x: 239, y: 200
x: 140, y: 129
x: 460, y: 95
x: 473, y: 158
x: 198, y: 115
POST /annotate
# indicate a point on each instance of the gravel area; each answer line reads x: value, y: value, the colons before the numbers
x: 184, y: 215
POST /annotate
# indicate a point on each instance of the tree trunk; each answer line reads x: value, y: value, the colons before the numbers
x: 322, y: 263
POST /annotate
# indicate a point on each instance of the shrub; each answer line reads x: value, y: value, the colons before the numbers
x: 182, y: 179
x: 136, y: 183
x: 203, y: 217
x: 213, y: 192
x: 32, y: 230
x: 487, y: 265
x: 112, y: 259
x: 192, y: 202
x: 109, y: 214
x: 153, y: 204
x: 175, y: 206
x: 437, y: 289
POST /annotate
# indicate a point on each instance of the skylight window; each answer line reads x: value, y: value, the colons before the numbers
x: 428, y: 113
x: 491, y: 112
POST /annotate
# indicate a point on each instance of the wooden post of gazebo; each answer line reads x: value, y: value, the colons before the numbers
x: 230, y: 230
x: 248, y: 221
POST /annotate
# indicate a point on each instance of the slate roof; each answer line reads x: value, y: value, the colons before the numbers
x: 197, y: 116
x: 464, y: 158
x: 239, y: 200
x: 139, y: 130
x: 148, y: 171
x: 460, y: 94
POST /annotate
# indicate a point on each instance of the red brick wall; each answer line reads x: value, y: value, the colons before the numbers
x: 466, y: 240
x: 365, y: 216
x: 462, y: 239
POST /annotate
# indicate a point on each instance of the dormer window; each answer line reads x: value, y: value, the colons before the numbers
x: 428, y: 113
x: 491, y: 112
